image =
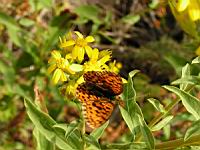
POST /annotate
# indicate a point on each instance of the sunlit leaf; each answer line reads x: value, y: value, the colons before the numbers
x: 89, y: 12
x: 157, y: 105
x: 97, y: 133
x: 128, y: 145
x: 131, y: 19
x: 44, y: 124
x: 193, y: 130
x: 42, y: 142
x: 191, y: 103
x: 92, y: 142
x: 196, y: 60
x: 146, y: 132
x: 162, y: 123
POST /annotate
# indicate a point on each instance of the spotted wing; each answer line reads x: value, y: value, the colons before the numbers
x: 109, y: 82
x: 96, y: 109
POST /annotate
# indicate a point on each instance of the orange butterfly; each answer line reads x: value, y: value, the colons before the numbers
x: 97, y: 94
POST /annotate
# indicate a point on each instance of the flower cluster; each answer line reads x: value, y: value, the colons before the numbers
x: 74, y: 59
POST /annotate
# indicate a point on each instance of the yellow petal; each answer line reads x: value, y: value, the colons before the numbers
x: 68, y: 56
x: 80, y: 80
x: 81, y: 53
x: 79, y: 34
x: 51, y: 68
x: 104, y: 60
x: 89, y: 39
x: 194, y: 10
x: 56, y: 75
x: 66, y: 62
x: 95, y: 54
x: 56, y: 54
x: 75, y: 52
x: 119, y: 65
x: 104, y: 53
x: 63, y: 77
x: 88, y: 50
x: 67, y: 43
x: 182, y: 5
x: 60, y: 39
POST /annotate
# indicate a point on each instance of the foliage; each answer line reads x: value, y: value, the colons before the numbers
x: 161, y: 101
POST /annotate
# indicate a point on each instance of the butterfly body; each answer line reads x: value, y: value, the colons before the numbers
x: 97, y: 96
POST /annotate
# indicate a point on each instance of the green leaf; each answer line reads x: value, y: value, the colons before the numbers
x: 42, y: 142
x: 176, y: 62
x: 26, y: 22
x: 8, y: 21
x: 146, y: 132
x: 129, y: 94
x: 191, y: 103
x: 127, y: 146
x: 92, y: 142
x: 185, y: 73
x: 8, y: 76
x: 131, y: 19
x: 167, y: 131
x: 44, y: 124
x: 194, y: 80
x: 97, y: 133
x: 127, y: 118
x: 193, y: 130
x: 14, y: 36
x: 157, y: 105
x: 154, y: 4
x: 196, y: 60
x: 162, y: 123
x: 89, y: 12
x: 67, y: 128
x: 45, y: 3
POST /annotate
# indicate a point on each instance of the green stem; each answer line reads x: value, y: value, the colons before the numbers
x: 160, y: 116
x: 193, y: 141
x: 83, y: 131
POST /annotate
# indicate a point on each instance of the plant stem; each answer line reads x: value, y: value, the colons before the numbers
x: 160, y: 116
x: 83, y: 131
x: 178, y: 143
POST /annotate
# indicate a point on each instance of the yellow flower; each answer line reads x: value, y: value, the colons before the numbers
x: 194, y: 10
x: 191, y: 6
x: 97, y: 60
x: 59, y: 66
x: 182, y: 5
x: 80, y: 45
x: 115, y: 67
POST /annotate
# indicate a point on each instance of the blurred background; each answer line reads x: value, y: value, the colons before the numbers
x: 142, y: 34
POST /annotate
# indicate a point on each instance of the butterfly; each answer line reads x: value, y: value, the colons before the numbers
x: 97, y: 95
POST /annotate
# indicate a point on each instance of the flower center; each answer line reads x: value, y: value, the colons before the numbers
x: 81, y: 42
x: 61, y: 63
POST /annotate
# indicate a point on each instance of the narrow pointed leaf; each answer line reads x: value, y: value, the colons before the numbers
x: 157, y: 105
x: 97, y: 133
x: 162, y: 123
x: 193, y: 130
x: 44, y: 124
x: 191, y: 103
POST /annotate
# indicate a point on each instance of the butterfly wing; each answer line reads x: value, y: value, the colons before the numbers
x: 109, y: 82
x: 96, y: 109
